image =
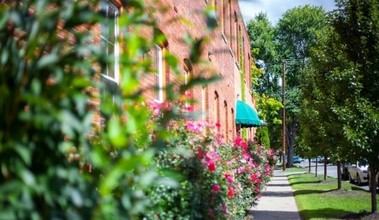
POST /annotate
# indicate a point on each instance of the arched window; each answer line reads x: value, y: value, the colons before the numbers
x: 233, y: 124
x: 204, y: 103
x: 226, y: 120
x: 216, y: 109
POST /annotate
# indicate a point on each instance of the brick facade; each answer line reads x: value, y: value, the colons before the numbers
x: 227, y: 53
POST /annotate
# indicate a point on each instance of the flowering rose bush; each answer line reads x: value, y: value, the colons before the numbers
x: 218, y: 179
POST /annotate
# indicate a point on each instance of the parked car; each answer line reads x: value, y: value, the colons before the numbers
x: 318, y: 159
x: 358, y: 172
x: 297, y: 159
x: 322, y: 159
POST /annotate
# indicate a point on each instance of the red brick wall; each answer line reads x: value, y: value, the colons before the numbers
x: 220, y: 52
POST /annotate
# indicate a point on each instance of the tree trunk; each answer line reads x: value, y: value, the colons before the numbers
x: 339, y: 177
x: 309, y: 166
x: 373, y: 183
x: 291, y: 135
x: 325, y: 167
x: 316, y: 167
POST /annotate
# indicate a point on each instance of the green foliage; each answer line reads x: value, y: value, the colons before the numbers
x: 43, y: 82
x: 55, y: 163
x: 297, y: 33
x: 269, y: 109
x: 265, y: 50
x: 291, y: 39
x: 356, y: 27
x: 339, y: 100
x: 263, y: 136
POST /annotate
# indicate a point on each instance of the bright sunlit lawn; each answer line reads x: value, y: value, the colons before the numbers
x: 319, y: 199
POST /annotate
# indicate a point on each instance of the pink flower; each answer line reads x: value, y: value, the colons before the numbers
x: 230, y: 192
x: 228, y: 177
x: 157, y: 107
x: 244, y: 145
x: 218, y: 125
x: 255, y: 178
x: 188, y: 108
x: 214, y: 155
x: 216, y: 187
x: 200, y: 154
x: 246, y: 155
x: 240, y: 170
x: 257, y: 189
x: 239, y: 142
x: 192, y: 126
x: 229, y: 163
x: 211, y: 165
x: 267, y: 168
x: 188, y: 95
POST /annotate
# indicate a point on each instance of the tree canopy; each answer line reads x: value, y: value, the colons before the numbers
x: 343, y: 80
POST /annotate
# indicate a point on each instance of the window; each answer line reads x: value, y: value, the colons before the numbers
x: 204, y: 102
x: 189, y: 91
x: 233, y: 123
x: 158, y: 74
x: 110, y: 73
x: 242, y: 53
x: 230, y: 24
x: 186, y: 77
x: 217, y: 110
x: 236, y: 36
x: 226, y: 120
x: 109, y: 34
x: 222, y: 16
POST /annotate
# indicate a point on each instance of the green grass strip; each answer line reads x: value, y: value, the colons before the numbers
x: 319, y: 199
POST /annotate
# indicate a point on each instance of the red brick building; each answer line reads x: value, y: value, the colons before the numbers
x: 227, y: 53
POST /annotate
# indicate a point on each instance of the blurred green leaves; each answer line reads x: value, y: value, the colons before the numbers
x: 73, y: 146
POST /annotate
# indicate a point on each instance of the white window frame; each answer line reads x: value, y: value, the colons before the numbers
x: 159, y: 73
x: 116, y: 52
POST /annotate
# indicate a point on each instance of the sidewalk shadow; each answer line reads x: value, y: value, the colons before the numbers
x: 306, y: 182
x: 279, y: 184
x: 311, y: 191
x: 277, y: 194
x: 273, y: 215
x: 326, y: 213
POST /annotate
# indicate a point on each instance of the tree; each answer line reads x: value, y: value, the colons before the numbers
x: 265, y: 74
x: 264, y: 48
x: 344, y: 70
x: 321, y: 128
x: 357, y: 26
x: 296, y: 33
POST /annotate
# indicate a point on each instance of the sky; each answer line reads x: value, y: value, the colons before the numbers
x: 275, y: 8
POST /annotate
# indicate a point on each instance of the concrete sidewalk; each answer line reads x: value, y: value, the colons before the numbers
x: 277, y: 201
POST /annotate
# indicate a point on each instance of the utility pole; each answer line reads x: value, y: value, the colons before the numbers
x: 284, y: 112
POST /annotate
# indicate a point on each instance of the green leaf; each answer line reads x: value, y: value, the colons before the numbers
x: 24, y: 153
x: 27, y: 177
x: 47, y: 60
x: 116, y: 134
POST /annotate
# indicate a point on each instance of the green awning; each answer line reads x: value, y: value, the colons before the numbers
x: 246, y: 116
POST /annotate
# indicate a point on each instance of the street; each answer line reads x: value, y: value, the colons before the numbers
x: 331, y: 171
